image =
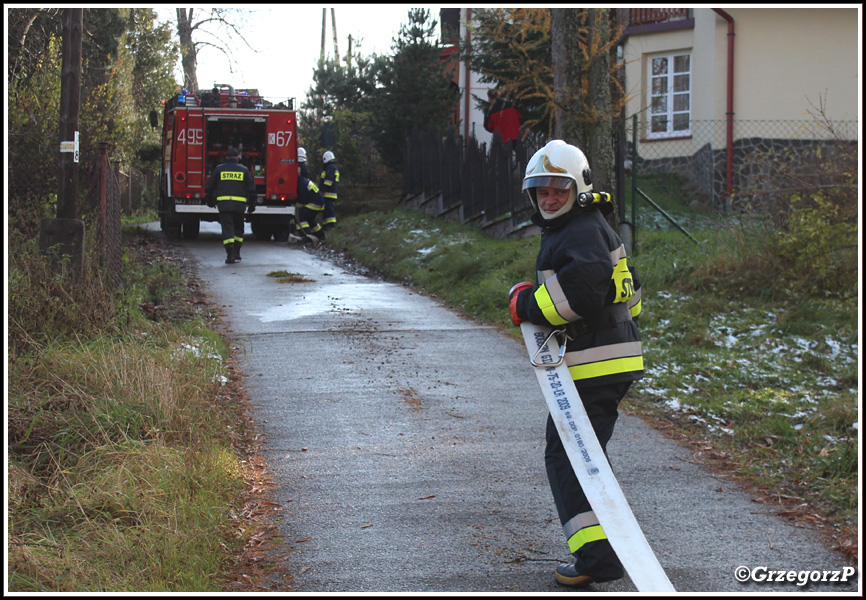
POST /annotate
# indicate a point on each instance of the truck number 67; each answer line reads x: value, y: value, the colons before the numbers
x: 280, y: 138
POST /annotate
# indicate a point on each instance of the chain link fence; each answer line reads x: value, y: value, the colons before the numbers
x: 759, y: 151
x: 99, y: 203
x: 105, y: 204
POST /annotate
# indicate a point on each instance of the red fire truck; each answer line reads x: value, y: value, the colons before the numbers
x: 197, y: 130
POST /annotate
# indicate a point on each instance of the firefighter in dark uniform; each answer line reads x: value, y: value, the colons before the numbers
x: 311, y: 206
x: 303, y: 170
x: 232, y: 189
x: 584, y: 284
x: 329, y: 181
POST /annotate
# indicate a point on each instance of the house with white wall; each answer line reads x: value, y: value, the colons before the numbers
x: 705, y: 85
x: 717, y: 82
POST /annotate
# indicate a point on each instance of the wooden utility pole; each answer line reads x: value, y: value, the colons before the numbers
x: 70, y: 106
x: 64, y: 236
x: 334, y: 32
x: 324, y: 25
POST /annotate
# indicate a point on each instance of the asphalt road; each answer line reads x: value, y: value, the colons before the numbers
x: 406, y: 444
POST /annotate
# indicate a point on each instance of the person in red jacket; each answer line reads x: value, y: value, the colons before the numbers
x: 503, y: 118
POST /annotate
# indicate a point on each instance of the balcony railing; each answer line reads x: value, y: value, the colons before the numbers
x: 648, y: 16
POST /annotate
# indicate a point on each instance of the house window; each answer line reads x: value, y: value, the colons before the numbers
x: 670, y: 96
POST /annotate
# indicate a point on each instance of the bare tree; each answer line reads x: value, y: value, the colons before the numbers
x: 188, y: 28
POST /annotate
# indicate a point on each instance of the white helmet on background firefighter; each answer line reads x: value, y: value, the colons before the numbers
x: 328, y: 157
x: 302, y: 154
x: 562, y: 166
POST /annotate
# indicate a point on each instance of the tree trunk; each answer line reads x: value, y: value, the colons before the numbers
x: 567, y: 63
x: 600, y: 127
x: 187, y: 49
x: 582, y: 88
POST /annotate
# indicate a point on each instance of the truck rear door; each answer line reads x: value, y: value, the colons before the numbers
x: 282, y: 158
x: 188, y: 161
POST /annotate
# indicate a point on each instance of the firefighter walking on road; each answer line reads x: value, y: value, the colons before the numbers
x: 330, y: 181
x: 586, y: 286
x: 232, y: 189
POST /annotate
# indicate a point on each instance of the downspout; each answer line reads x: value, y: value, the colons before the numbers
x: 468, y: 83
x: 730, y: 108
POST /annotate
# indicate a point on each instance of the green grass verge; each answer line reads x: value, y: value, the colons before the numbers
x: 122, y: 476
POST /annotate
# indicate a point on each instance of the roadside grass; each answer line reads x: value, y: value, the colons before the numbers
x: 122, y: 469
x: 738, y: 361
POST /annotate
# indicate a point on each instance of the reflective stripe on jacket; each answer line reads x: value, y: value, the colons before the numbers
x: 330, y: 180
x: 586, y: 285
x: 309, y: 195
x: 232, y: 185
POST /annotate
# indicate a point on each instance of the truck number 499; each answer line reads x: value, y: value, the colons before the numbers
x: 280, y: 138
x: 190, y: 136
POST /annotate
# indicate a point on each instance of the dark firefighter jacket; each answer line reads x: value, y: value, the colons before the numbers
x: 232, y: 186
x: 309, y: 195
x: 585, y: 284
x: 330, y: 180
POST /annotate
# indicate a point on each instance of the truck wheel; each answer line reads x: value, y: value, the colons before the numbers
x: 261, y: 231
x: 172, y: 230
x: 281, y: 233
x: 191, y: 228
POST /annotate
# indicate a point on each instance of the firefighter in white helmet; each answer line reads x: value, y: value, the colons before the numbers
x: 584, y: 284
x: 329, y: 181
x: 303, y: 170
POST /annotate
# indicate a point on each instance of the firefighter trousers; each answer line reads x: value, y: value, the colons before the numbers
x: 593, y: 554
x: 232, y: 224
x: 307, y: 219
x: 329, y: 215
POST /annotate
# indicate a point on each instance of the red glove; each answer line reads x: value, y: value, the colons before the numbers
x: 513, y: 293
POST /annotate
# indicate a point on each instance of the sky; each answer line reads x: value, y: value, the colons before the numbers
x: 288, y: 38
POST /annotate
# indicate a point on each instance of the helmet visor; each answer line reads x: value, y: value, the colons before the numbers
x: 561, y: 183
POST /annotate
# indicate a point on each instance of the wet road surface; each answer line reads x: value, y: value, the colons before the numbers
x: 406, y: 444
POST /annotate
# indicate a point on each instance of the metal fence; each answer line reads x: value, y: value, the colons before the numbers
x: 759, y: 148
x: 467, y: 180
x: 104, y: 204
x: 480, y: 181
x: 98, y: 205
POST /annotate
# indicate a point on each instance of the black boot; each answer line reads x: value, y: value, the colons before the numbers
x: 230, y: 253
x: 237, y: 246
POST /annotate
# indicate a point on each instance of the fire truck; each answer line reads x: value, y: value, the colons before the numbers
x: 197, y: 130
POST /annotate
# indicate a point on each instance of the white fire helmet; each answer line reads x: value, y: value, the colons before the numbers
x: 327, y: 157
x: 302, y: 154
x: 557, y: 165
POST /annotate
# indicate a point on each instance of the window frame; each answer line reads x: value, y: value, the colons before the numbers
x: 669, y: 95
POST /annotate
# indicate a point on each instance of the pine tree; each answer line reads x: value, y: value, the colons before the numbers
x: 412, y: 89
